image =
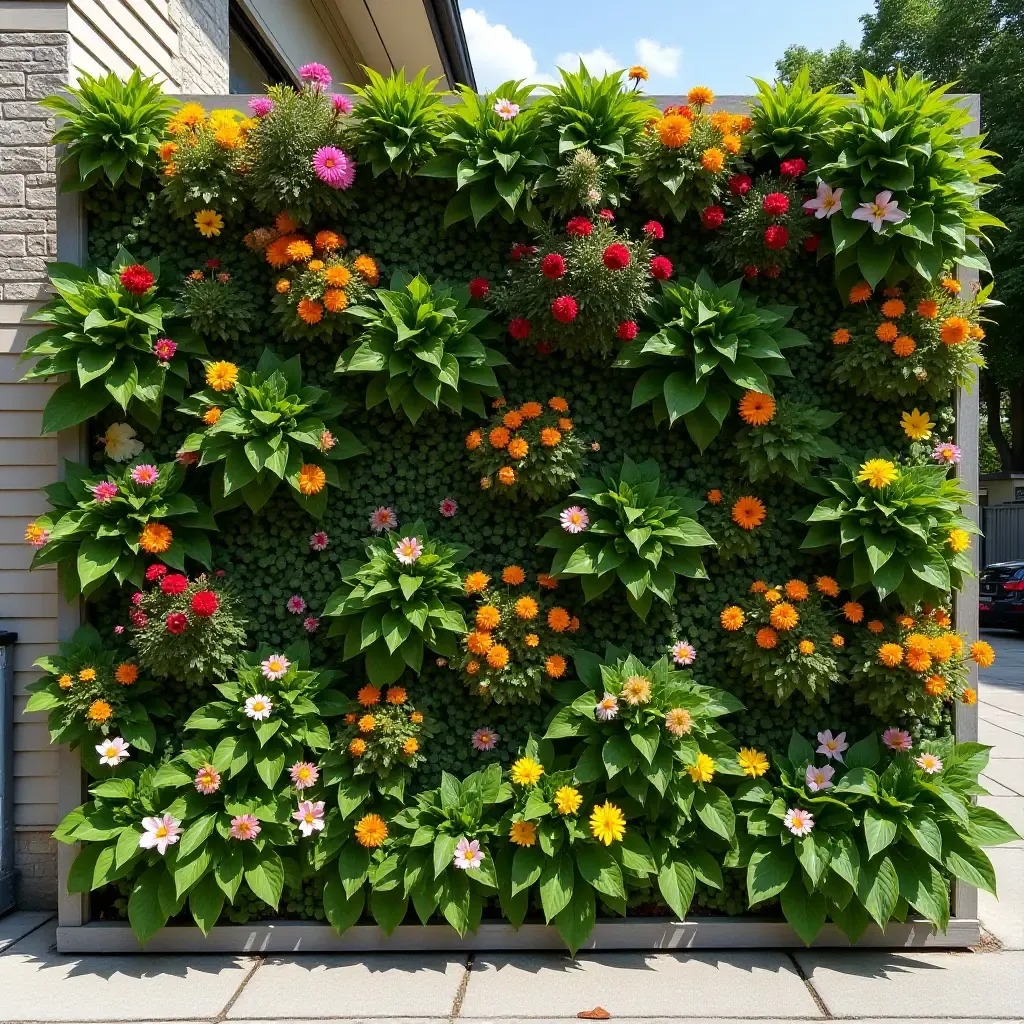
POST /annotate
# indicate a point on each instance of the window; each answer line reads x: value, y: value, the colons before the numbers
x: 252, y: 64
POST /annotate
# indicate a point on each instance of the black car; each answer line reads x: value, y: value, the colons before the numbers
x: 1002, y: 596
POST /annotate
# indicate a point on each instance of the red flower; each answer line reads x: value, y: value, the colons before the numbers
x: 607, y: 215
x: 712, y: 217
x: 750, y: 271
x: 564, y: 309
x: 772, y: 270
x: 174, y: 584
x: 739, y: 184
x: 811, y: 243
x: 652, y: 229
x: 519, y: 251
x: 155, y: 571
x: 795, y: 168
x: 775, y: 204
x: 478, y: 288
x: 616, y: 256
x: 661, y: 268
x: 137, y: 279
x: 776, y: 236
x: 543, y: 348
x: 139, y: 619
x: 626, y: 330
x: 579, y: 226
x: 213, y: 263
x: 519, y: 328
x: 176, y: 623
x: 204, y: 603
x: 552, y: 266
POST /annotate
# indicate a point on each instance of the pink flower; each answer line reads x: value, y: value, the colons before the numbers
x: 315, y: 75
x: 832, y: 746
x: 881, y: 211
x: 798, y: 822
x: 897, y: 739
x: 827, y: 203
x: 207, y: 780
x: 505, y: 109
x: 104, y: 491
x: 946, y: 452
x: 176, y: 623
x: 928, y: 763
x: 684, y: 653
x: 145, y: 475
x: 327, y: 441
x: 159, y: 833
x: 448, y: 507
x: 607, y: 707
x: 341, y: 103
x: 37, y: 537
x: 468, y: 855
x: 310, y: 623
x: 382, y: 519
x: 260, y: 106
x: 318, y: 540
x: 118, y: 630
x: 187, y: 458
x: 244, y: 826
x: 408, y: 549
x: 654, y: 230
x: 275, y: 667
x: 574, y: 519
x: 164, y: 349
x: 139, y: 619
x: 137, y: 598
x: 155, y: 571
x: 113, y: 751
x: 484, y: 739
x: 333, y: 167
x: 310, y: 816
x: 296, y: 605
x: 606, y: 215
x: 819, y: 778
x: 304, y: 774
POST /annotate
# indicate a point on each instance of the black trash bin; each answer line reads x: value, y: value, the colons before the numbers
x: 7, y: 640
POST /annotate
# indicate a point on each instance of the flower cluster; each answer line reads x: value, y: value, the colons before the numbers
x: 382, y: 733
x: 738, y: 521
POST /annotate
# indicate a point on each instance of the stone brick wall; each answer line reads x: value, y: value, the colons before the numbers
x: 202, y: 45
x: 35, y: 855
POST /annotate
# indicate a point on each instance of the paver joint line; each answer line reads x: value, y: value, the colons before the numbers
x: 238, y: 991
x: 460, y: 995
x: 811, y: 990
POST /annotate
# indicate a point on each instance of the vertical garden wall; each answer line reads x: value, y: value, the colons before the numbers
x: 519, y: 511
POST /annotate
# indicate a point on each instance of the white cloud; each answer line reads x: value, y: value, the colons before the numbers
x: 658, y: 59
x: 598, y: 62
x: 496, y: 53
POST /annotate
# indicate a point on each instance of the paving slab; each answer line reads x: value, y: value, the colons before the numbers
x: 1004, y: 917
x: 994, y: 788
x: 1008, y: 772
x: 1004, y: 744
x: 39, y: 984
x: 17, y: 925
x: 1011, y: 721
x: 372, y: 986
x: 547, y: 986
x: 910, y: 986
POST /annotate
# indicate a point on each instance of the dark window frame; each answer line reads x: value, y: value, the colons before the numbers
x: 242, y: 25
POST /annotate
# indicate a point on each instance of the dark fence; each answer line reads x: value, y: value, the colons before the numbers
x: 1004, y: 533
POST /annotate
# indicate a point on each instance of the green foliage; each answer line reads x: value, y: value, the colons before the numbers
x: 424, y: 344
x: 95, y: 541
x: 270, y: 430
x: 898, y: 538
x: 638, y: 531
x: 497, y: 163
x: 217, y: 307
x: 790, y: 445
x: 826, y: 68
x: 397, y: 123
x: 790, y: 117
x: 112, y: 128
x: 104, y: 336
x: 581, y: 182
x: 712, y: 343
x: 399, y: 601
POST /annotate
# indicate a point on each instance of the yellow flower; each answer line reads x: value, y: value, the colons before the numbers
x: 607, y: 823
x: 526, y: 772
x: 212, y: 415
x: 982, y: 654
x: 890, y: 655
x: 189, y: 116
x: 65, y: 682
x: 367, y: 723
x: 958, y: 540
x: 567, y: 800
x: 700, y: 96
x: 371, y: 830
x: 221, y: 376
x: 636, y: 690
x: 87, y: 675
x: 877, y: 473
x: 523, y: 833
x: 312, y: 479
x: 703, y: 770
x: 638, y: 73
x: 712, y: 160
x: 753, y: 762
x: 806, y: 647
x: 99, y: 711
x: 209, y: 222
x: 916, y: 425
x: 410, y: 746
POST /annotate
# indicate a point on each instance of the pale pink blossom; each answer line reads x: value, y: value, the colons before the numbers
x: 947, y: 453
x: 244, y: 826
x: 468, y: 855
x: 258, y: 707
x: 929, y: 763
x: 207, y: 780
x: 883, y: 210
x: 304, y: 774
x: 826, y: 203
x: 113, y: 751
x: 607, y: 707
x: 505, y: 109
x: 798, y: 822
x: 159, y: 833
x: 574, y: 519
x: 310, y: 816
x: 832, y: 746
x: 448, y: 507
x: 382, y: 519
x: 318, y: 540
x: 274, y: 667
x: 310, y: 623
x: 897, y: 739
x: 819, y: 778
x: 484, y: 739
x: 296, y: 605
x: 327, y: 441
x: 145, y: 475
x: 408, y: 549
x: 684, y: 653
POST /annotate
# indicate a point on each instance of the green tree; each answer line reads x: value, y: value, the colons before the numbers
x: 827, y: 67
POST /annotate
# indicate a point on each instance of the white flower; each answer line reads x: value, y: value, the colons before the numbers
x: 259, y: 707
x: 468, y: 855
x: 832, y: 746
x: 607, y: 707
x: 798, y: 822
x: 929, y: 764
x: 159, y: 833
x: 113, y: 751
x: 826, y: 203
x: 310, y: 816
x: 120, y: 443
x: 506, y: 109
x: 275, y: 667
x: 819, y: 778
x: 882, y: 211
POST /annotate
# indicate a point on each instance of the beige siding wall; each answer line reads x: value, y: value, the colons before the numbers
x: 119, y: 35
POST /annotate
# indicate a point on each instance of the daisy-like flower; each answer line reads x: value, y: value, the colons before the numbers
x: 523, y: 833
x: 827, y: 203
x: 818, y: 779
x: 382, y: 519
x: 702, y: 770
x: 505, y: 109
x: 113, y: 751
x: 258, y: 707
x: 567, y: 800
x: 881, y: 211
x: 799, y: 822
x: 164, y: 349
x: 244, y: 827
x: 304, y: 774
x: 636, y: 690
x: 370, y: 831
x: 295, y: 604
x: 159, y: 833
x: 832, y: 746
x: 678, y: 721
x: 145, y: 475
x: 318, y: 540
x: 574, y: 519
x: 207, y: 780
x: 468, y: 855
x: 526, y: 772
x: 929, y: 763
x: 448, y: 507
x: 120, y: 443
x: 607, y: 823
x: 484, y: 738
x: 310, y: 816
x: 897, y: 739
x: 310, y: 623
x: 917, y: 425
x: 684, y: 653
x: 753, y: 762
x: 274, y: 667
x: 36, y: 535
x: 946, y: 453
x: 877, y: 473
x: 209, y: 223
x: 607, y: 707
x: 334, y: 167
x: 104, y: 491
x: 408, y: 549
x: 222, y: 375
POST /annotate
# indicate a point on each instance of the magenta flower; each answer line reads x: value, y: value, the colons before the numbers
x: 315, y: 75
x: 341, y: 103
x: 382, y: 519
x: 897, y: 739
x: 137, y: 598
x: 104, y: 491
x: 684, y: 653
x: 118, y: 630
x: 261, y: 105
x: 946, y: 453
x: 244, y: 826
x: 310, y: 623
x: 448, y: 507
x: 574, y: 519
x: 484, y: 738
x: 333, y: 167
x: 304, y: 774
x: 145, y: 475
x: 318, y: 540
x: 296, y: 605
x: 164, y: 349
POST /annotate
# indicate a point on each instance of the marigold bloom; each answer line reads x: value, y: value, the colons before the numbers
x: 155, y: 538
x: 714, y: 496
x: 410, y: 746
x: 126, y: 673
x: 221, y: 376
x: 473, y: 440
x: 797, y: 590
x: 703, y: 770
x: 87, y: 674
x: 636, y: 690
x: 513, y: 419
x: 958, y: 540
x: 479, y: 642
x: 950, y: 285
x: 371, y: 830
x: 838, y: 640
x: 487, y: 617
x: 983, y: 654
x: 99, y: 711
x: 335, y: 300
x: 526, y: 772
x: 674, y: 131
x: 928, y: 309
x: 712, y: 160
x: 558, y: 620
x: 748, y: 512
x: 766, y: 638
x: 854, y: 611
x: 567, y: 800
x: 367, y: 269
x: 368, y: 695
x: 475, y: 582
x: 935, y: 685
x: 860, y: 292
x: 753, y: 762
x: 784, y: 616
x: 890, y: 655
x: 904, y: 346
x: 700, y: 96
x: 526, y: 608
x: 969, y: 696
x: 555, y: 666
x: 732, y: 143
x: 756, y: 409
x: 678, y: 721
x: 877, y: 473
x: 918, y: 660
x: 499, y: 437
x: 732, y: 618
x: 806, y: 647
x: 840, y: 336
x: 513, y: 575
x: 329, y: 241
x: 497, y: 656
x: 887, y: 332
x: 607, y: 823
x: 367, y: 723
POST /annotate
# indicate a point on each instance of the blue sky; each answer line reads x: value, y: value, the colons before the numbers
x: 681, y: 42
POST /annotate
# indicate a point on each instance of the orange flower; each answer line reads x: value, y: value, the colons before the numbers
x: 977, y: 332
x: 357, y: 747
x: 928, y: 308
x: 366, y: 268
x: 732, y: 143
x: 806, y: 647
x: 893, y: 308
x: 368, y: 695
x: 518, y: 448
x: 487, y: 617
x: 328, y: 241
x: 766, y: 638
x: 887, y: 332
x: 742, y: 123
x: 316, y: 265
x: 498, y: 437
x: 558, y: 620
x: 338, y: 275
x: 712, y: 160
x: 557, y: 403
x: 350, y: 718
x: 312, y: 479
x: 475, y: 582
x: 840, y: 336
x: 497, y: 656
x: 555, y: 666
x: 854, y: 612
x: 838, y: 640
x: 310, y: 311
x: 890, y: 655
x: 513, y: 575
x: 875, y: 626
x: 512, y: 419
x: 700, y: 96
x: 721, y: 120
x: 155, y: 538
x: 903, y: 346
x: 472, y: 667
x: 285, y: 223
x: 951, y: 285
x: 99, y: 711
x: 969, y: 696
x: 674, y: 131
x: 955, y: 330
x: 410, y: 746
x: 212, y: 415
x: 547, y: 581
x: 531, y: 640
x: 126, y: 673
x: 479, y: 642
x: 565, y: 425
x: 277, y: 252
x: 827, y: 586
x: 335, y: 300
x: 784, y: 616
x: 299, y: 251
x: 714, y: 496
x: 983, y: 654
x: 935, y: 686
x: 918, y: 661
x: 367, y: 723
x: 283, y: 286
x: 732, y: 618
x: 506, y: 476
x: 473, y: 440
x: 758, y: 587
x: 906, y: 621
x: 549, y: 437
x: 416, y: 718
x: 748, y: 512
x: 756, y: 409
x: 860, y: 292
x: 526, y: 608
x: 797, y: 590
x: 942, y: 617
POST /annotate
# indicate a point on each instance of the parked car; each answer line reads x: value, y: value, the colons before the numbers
x: 1002, y: 596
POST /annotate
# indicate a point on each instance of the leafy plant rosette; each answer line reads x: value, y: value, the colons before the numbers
x: 91, y: 693
x: 425, y: 346
x: 898, y: 529
x: 685, y: 157
x: 628, y: 526
x: 787, y: 638
x: 262, y: 428
x: 186, y: 630
x: 107, y: 329
x: 496, y: 150
x: 925, y: 342
x: 711, y: 345
x: 579, y: 289
x: 399, y: 601
x: 103, y: 526
x: 784, y: 439
x: 789, y: 118
x: 112, y: 128
x: 867, y: 835
x: 737, y: 521
x: 910, y: 180
x: 534, y: 450
x: 205, y: 163
x: 216, y: 305
x: 521, y: 639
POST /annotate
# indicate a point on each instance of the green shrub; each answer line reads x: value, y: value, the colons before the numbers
x: 789, y: 119
x: 789, y: 445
